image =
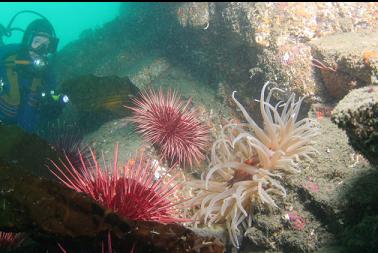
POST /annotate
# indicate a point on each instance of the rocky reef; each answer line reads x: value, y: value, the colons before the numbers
x: 345, y: 64
x: 357, y: 114
x: 323, y: 51
x: 25, y: 150
x: 247, y: 43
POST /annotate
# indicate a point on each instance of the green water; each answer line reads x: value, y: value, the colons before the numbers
x: 68, y: 19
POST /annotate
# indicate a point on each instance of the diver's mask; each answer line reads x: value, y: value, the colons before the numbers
x: 40, y: 44
x: 39, y: 49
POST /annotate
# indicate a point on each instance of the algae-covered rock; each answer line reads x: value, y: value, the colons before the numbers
x: 357, y: 114
x: 362, y: 237
x: 346, y: 61
x: 245, y: 44
x: 194, y: 14
x: 33, y: 204
x: 25, y: 150
x: 361, y: 214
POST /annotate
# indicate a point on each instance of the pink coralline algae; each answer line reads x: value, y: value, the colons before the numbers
x: 311, y: 186
x: 296, y: 221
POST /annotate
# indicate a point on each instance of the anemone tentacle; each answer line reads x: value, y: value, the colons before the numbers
x: 248, y: 162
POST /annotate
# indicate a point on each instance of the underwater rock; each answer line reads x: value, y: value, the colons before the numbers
x: 25, y: 150
x: 37, y: 205
x: 89, y: 53
x: 361, y: 216
x: 99, y: 99
x: 150, y: 72
x: 357, y: 114
x: 346, y: 61
x: 122, y: 46
x: 265, y: 24
x: 243, y: 45
x: 239, y: 44
x: 175, y: 238
x: 194, y: 14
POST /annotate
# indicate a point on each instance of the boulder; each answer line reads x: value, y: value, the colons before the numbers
x: 346, y: 61
x: 357, y: 114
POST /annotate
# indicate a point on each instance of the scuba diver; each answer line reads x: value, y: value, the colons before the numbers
x: 26, y: 79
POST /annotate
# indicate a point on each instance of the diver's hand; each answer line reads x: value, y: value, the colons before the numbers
x: 51, y: 106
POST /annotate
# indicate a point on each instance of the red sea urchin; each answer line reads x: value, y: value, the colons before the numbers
x: 9, y: 240
x: 65, y: 138
x: 133, y: 191
x: 168, y: 123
